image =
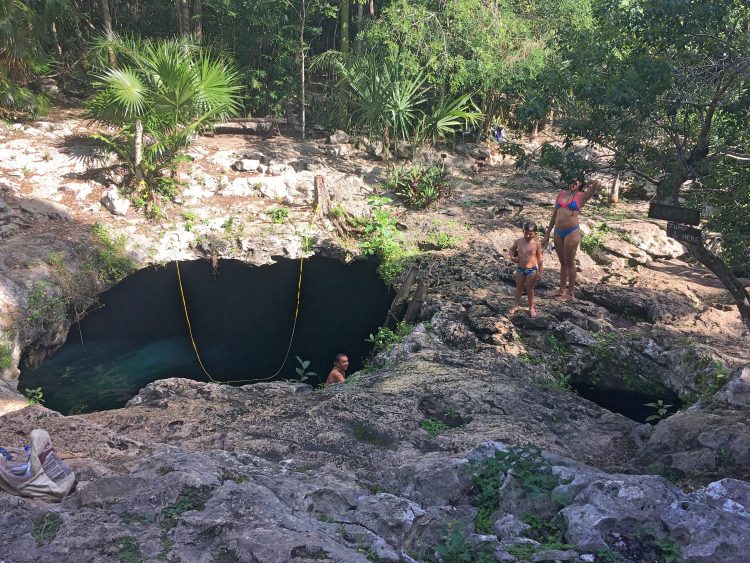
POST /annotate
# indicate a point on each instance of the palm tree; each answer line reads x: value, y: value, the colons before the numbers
x: 160, y: 95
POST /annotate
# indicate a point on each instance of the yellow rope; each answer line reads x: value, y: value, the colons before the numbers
x: 195, y: 346
x: 291, y: 337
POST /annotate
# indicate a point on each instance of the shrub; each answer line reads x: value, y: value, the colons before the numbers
x: 6, y: 358
x: 419, y: 187
x: 109, y: 261
x: 278, y: 215
x: 382, y: 239
x: 44, y: 306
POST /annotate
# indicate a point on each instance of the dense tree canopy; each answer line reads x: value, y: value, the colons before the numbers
x: 666, y: 87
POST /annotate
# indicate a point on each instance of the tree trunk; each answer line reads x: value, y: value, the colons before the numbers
x: 344, y: 48
x: 183, y: 17
x: 358, y: 27
x: 302, y: 66
x: 198, y: 19
x: 138, y: 141
x: 614, y: 195
x: 726, y: 276
x: 667, y: 191
x: 321, y: 199
x: 108, y: 31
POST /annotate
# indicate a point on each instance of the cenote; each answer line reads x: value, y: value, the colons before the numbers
x: 242, y: 320
x: 627, y: 403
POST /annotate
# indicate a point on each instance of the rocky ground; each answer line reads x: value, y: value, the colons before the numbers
x: 399, y: 463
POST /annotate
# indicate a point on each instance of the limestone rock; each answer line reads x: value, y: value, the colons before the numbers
x: 338, y: 138
x: 246, y: 165
x: 704, y: 533
x: 114, y: 203
x: 279, y: 169
x: 737, y: 391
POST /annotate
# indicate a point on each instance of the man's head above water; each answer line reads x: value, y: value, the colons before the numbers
x: 341, y: 362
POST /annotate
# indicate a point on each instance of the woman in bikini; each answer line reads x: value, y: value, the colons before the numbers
x: 569, y: 203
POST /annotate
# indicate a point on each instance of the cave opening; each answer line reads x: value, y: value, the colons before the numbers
x: 241, y: 317
x: 632, y: 404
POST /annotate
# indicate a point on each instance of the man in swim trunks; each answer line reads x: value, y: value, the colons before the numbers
x: 564, y: 219
x: 526, y: 252
x: 338, y: 373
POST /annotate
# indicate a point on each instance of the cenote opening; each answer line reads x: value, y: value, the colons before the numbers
x: 627, y: 403
x: 242, y: 321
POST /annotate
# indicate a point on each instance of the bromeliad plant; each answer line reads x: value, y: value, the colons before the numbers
x: 419, y: 187
x: 158, y: 97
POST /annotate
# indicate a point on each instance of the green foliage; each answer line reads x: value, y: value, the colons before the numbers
x: 382, y: 239
x: 725, y: 457
x: 109, y: 260
x: 161, y: 94
x: 526, y: 463
x: 46, y: 529
x: 712, y: 375
x: 127, y: 550
x: 525, y: 551
x: 278, y: 215
x: 433, y: 427
x: 6, y: 357
x: 662, y: 410
x: 192, y: 498
x: 669, y: 551
x: 385, y: 337
x: 34, y: 396
x: 663, y: 85
x: 455, y: 548
x: 302, y: 372
x: 419, y: 187
x: 594, y: 241
x: 45, y: 308
x: 608, y: 556
x: 440, y: 240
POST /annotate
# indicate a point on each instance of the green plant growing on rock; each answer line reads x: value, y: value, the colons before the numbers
x: 662, y: 410
x: 302, y: 372
x: 34, y: 396
x: 441, y: 240
x: 419, y: 187
x: 109, y: 260
x: 6, y: 356
x: 45, y: 308
x: 278, y: 215
x: 385, y: 337
x: 525, y: 463
x: 192, y: 498
x: 46, y: 529
x: 725, y: 457
x: 127, y: 550
x: 382, y: 239
x: 433, y: 427
x: 456, y: 549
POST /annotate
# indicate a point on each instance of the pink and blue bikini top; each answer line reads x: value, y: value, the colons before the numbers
x: 573, y: 204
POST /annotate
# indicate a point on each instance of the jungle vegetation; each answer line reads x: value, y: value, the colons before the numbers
x: 661, y: 86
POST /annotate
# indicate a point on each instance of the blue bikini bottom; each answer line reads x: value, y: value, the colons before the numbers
x: 562, y: 233
x: 527, y: 271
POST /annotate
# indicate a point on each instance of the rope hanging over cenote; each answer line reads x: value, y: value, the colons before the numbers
x: 291, y: 336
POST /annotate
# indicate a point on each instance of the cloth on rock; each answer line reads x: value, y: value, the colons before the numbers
x: 35, y: 471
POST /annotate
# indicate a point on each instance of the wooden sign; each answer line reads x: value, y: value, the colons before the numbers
x: 674, y: 213
x: 684, y: 233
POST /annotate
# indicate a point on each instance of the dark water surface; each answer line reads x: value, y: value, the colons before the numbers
x: 628, y: 403
x: 242, y: 320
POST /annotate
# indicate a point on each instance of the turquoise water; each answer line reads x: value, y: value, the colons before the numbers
x: 242, y: 319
